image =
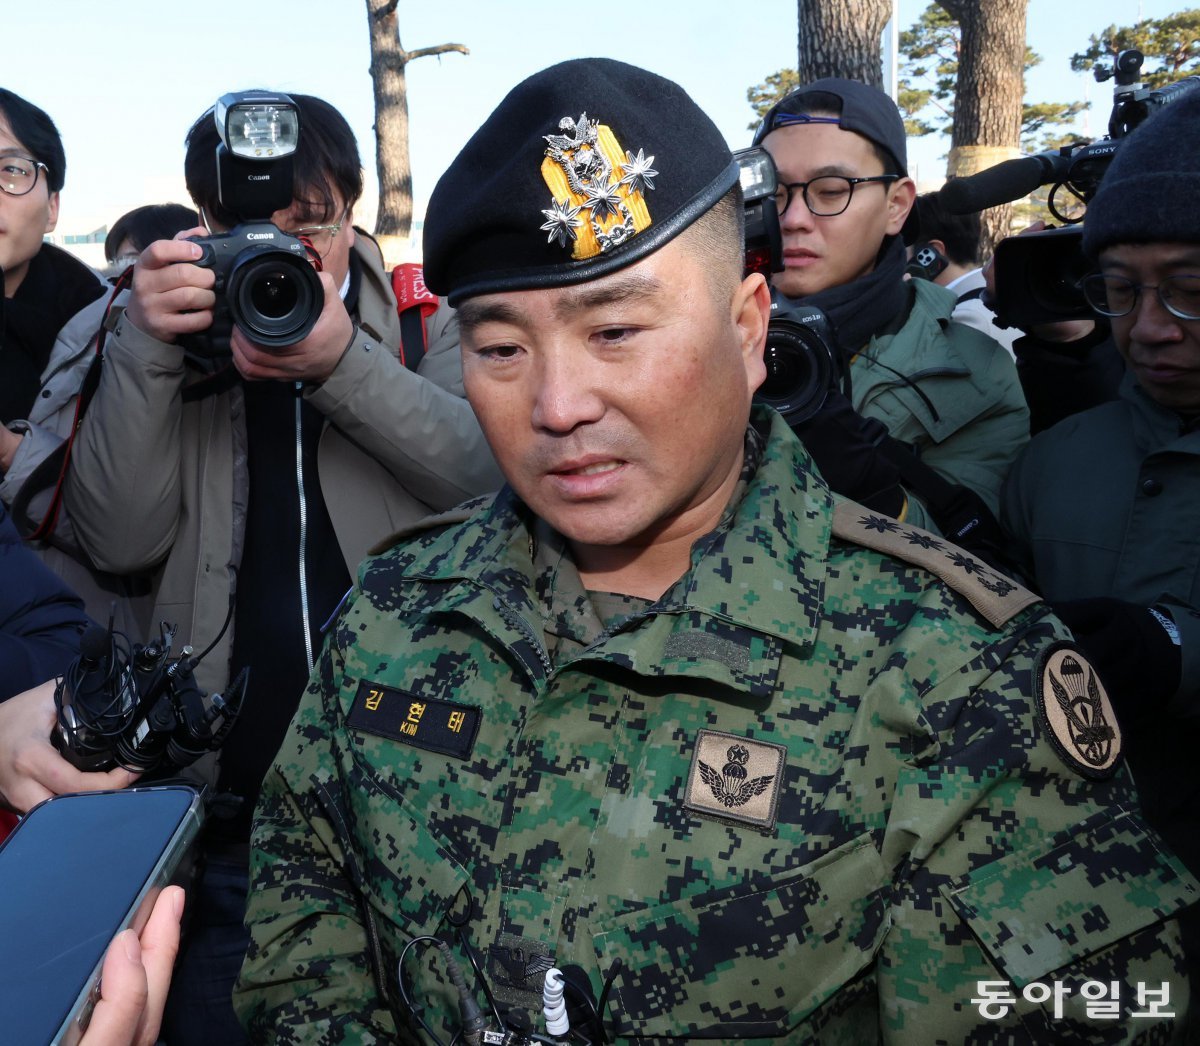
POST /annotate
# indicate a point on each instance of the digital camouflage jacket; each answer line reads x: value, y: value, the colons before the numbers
x: 809, y: 795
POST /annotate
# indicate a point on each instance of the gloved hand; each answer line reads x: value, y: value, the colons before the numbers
x: 1131, y: 649
x: 845, y: 446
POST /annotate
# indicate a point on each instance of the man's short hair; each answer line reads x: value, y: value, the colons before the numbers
x: 326, y: 162
x: 34, y: 129
x: 718, y: 237
x: 143, y: 225
x: 958, y: 232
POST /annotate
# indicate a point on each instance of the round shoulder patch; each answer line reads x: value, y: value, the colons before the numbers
x: 1077, y: 712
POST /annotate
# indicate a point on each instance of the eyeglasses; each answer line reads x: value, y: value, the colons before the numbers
x: 19, y: 174
x: 1118, y: 295
x: 320, y: 236
x: 826, y: 196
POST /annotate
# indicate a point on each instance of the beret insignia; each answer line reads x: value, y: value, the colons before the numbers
x: 598, y: 190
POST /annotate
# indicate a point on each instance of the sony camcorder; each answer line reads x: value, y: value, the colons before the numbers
x: 266, y: 283
x: 801, y: 351
x: 1038, y: 274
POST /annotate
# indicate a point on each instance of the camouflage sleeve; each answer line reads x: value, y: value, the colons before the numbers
x: 307, y: 976
x: 1028, y: 877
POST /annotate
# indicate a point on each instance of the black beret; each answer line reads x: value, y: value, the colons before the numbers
x: 1148, y: 194
x: 861, y: 107
x: 585, y: 168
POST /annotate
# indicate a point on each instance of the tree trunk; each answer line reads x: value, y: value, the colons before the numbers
x: 988, y: 96
x: 394, y: 217
x: 841, y: 38
x: 388, y: 62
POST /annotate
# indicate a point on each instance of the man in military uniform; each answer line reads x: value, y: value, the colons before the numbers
x: 740, y: 758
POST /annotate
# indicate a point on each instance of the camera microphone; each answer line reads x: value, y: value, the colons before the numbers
x: 95, y: 647
x: 1003, y: 183
x: 93, y: 701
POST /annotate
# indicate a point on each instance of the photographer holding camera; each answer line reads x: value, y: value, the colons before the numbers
x: 252, y: 435
x: 1104, y: 508
x: 948, y: 396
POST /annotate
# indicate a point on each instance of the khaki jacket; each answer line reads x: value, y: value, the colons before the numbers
x: 159, y: 479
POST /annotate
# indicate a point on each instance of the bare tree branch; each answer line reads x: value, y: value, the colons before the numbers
x: 388, y: 63
x: 423, y: 52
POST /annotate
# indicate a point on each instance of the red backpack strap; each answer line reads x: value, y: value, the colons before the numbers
x: 415, y: 304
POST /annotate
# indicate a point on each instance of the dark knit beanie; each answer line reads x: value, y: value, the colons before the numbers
x: 1149, y: 192
x: 585, y: 168
x: 860, y: 107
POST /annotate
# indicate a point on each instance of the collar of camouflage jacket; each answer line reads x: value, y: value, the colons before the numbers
x: 757, y: 579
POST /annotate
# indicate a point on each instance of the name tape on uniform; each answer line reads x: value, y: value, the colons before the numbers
x: 446, y: 727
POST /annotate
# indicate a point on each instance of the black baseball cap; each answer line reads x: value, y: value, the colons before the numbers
x: 860, y: 107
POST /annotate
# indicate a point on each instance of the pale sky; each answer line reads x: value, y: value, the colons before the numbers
x: 124, y: 79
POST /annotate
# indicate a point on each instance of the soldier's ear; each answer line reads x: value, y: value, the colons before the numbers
x: 751, y: 312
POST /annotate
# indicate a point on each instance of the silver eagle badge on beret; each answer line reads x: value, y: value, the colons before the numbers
x: 587, y: 171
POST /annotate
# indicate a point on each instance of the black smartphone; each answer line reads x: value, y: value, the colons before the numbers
x: 927, y: 262
x: 76, y: 871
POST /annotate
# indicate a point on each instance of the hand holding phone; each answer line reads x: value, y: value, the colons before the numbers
x: 136, y: 977
x: 76, y: 871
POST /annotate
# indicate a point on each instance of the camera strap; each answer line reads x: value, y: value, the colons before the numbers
x: 51, y: 471
x: 415, y: 304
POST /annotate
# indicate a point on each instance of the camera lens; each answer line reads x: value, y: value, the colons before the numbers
x: 800, y: 371
x: 274, y: 296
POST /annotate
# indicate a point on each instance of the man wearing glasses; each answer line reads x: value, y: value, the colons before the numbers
x: 946, y: 391
x: 255, y: 481
x: 1104, y: 508
x: 50, y: 312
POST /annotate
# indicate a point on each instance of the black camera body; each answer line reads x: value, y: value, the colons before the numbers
x: 801, y: 353
x: 267, y: 283
x: 802, y: 360
x: 138, y: 707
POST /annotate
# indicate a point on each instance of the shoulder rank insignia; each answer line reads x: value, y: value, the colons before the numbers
x: 1077, y: 712
x: 996, y: 597
x: 735, y: 778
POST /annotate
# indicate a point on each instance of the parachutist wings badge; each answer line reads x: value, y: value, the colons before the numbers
x: 1078, y: 713
x: 744, y: 788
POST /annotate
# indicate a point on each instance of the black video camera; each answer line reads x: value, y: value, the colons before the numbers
x: 266, y: 280
x: 137, y: 707
x: 801, y: 352
x: 1038, y: 274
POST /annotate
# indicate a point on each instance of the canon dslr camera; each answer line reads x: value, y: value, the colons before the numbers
x: 266, y: 282
x: 800, y: 354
